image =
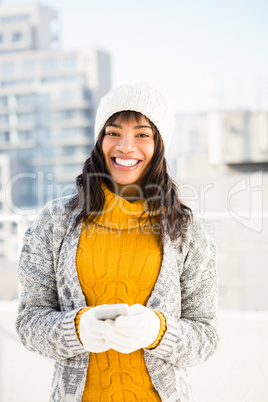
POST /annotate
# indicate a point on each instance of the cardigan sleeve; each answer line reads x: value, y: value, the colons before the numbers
x: 193, y: 338
x: 41, y: 325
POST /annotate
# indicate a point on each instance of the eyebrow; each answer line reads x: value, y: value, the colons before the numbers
x: 135, y: 128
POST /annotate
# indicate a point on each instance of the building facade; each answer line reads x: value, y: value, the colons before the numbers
x: 220, y: 162
x: 48, y: 100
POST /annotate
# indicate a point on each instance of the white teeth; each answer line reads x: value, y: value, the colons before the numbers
x: 126, y: 162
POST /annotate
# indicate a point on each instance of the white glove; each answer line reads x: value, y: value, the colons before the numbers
x: 137, y: 330
x: 92, y: 332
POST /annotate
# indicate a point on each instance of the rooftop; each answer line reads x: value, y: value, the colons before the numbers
x: 237, y: 372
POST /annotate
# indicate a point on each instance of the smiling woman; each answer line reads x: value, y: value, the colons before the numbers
x: 124, y: 241
x: 128, y: 148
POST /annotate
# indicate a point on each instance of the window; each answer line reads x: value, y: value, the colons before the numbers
x: 47, y: 153
x: 50, y: 64
x: 86, y: 114
x: 8, y: 83
x: 44, y: 119
x: 3, y: 101
x: 8, y: 68
x: 46, y: 134
x: 16, y: 36
x: 65, y: 114
x: 1, y: 38
x: 14, y: 18
x: 4, y: 137
x: 67, y: 96
x: 29, y: 66
x: 87, y: 95
x: 25, y: 82
x: 69, y: 132
x: 25, y: 135
x: 26, y: 118
x: 68, y: 151
x: 44, y: 99
x: 27, y: 99
x: 13, y: 227
x: 71, y: 169
x: 54, y: 78
x: 1, y: 205
x: 74, y: 77
x: 70, y: 62
x: 4, y: 119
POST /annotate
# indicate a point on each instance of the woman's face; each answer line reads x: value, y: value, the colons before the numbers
x: 128, y: 147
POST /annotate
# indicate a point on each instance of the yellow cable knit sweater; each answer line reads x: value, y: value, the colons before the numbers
x: 118, y: 261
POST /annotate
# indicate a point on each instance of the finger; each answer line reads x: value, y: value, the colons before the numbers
x: 90, y: 334
x: 96, y: 343
x: 95, y: 346
x: 134, y: 321
x: 94, y: 329
x: 99, y: 326
x: 119, y: 339
x: 128, y: 332
x: 125, y: 331
x: 136, y: 309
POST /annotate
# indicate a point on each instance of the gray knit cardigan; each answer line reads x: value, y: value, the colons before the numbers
x: 185, y: 292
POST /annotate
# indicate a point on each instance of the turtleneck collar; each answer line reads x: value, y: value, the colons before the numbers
x: 120, y: 214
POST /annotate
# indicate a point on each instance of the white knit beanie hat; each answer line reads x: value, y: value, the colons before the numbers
x: 139, y: 97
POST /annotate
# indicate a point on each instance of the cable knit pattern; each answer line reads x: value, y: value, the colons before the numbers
x: 51, y: 295
x: 118, y: 261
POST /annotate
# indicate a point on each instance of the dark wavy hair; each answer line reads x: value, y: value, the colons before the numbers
x: 160, y: 191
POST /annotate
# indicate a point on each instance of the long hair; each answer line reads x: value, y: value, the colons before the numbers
x: 159, y: 190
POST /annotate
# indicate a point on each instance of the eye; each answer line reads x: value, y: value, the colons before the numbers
x: 142, y: 135
x: 112, y: 134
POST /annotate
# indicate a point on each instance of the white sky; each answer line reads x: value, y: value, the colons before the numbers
x: 201, y: 53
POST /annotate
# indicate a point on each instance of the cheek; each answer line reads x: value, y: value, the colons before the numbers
x: 149, y: 151
x: 105, y: 148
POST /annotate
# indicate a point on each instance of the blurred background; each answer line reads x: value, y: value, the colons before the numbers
x: 210, y: 58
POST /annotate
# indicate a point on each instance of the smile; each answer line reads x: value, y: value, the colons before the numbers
x: 126, y: 162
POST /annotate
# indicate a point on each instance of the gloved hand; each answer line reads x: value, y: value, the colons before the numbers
x: 92, y: 332
x: 137, y: 330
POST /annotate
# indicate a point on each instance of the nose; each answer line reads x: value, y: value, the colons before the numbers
x: 126, y: 144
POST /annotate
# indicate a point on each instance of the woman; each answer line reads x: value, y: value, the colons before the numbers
x: 124, y: 237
